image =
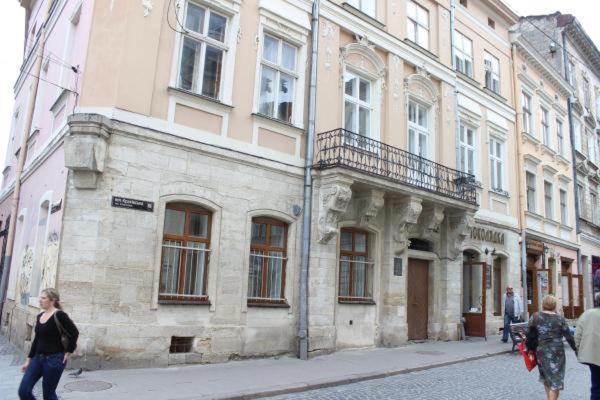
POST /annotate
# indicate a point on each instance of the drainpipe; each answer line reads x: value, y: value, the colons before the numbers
x: 521, y: 167
x: 452, y: 62
x: 573, y: 153
x: 307, y: 206
x: 10, y: 237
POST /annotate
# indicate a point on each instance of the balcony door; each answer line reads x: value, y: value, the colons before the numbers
x: 419, y: 143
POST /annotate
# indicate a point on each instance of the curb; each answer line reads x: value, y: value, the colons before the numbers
x: 348, y: 379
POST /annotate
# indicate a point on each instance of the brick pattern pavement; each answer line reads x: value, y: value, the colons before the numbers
x: 499, y: 377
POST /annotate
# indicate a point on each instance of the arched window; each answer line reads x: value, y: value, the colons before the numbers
x: 185, y: 253
x: 268, y: 256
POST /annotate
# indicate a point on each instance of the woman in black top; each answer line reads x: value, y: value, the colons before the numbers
x: 48, y: 356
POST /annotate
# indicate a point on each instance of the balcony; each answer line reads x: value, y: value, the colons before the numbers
x: 342, y: 148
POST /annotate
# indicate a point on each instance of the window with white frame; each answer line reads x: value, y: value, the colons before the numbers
x: 203, y: 50
x: 594, y: 207
x: 277, y: 78
x: 587, y: 97
x: 597, y: 91
x: 530, y: 182
x: 417, y: 28
x: 580, y: 198
x: 560, y: 141
x: 496, y: 164
x: 466, y: 149
x: 548, y: 188
x: 545, y: 127
x: 591, y: 146
x: 358, y: 107
x: 577, y: 134
x: 492, y: 72
x: 418, y: 129
x: 527, y: 113
x: 366, y: 6
x: 563, y: 207
x: 463, y: 58
x: 571, y: 75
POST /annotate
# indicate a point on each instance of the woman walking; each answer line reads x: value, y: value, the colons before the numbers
x: 550, y: 328
x: 48, y: 355
x: 587, y: 339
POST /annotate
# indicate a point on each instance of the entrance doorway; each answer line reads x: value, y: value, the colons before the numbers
x: 572, y: 288
x: 474, y: 298
x: 417, y: 298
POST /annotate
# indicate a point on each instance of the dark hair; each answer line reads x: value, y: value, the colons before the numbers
x: 54, y: 296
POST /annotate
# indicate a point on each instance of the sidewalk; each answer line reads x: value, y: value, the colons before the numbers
x: 250, y: 379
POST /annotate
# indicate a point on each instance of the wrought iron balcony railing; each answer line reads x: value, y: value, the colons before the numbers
x: 342, y: 148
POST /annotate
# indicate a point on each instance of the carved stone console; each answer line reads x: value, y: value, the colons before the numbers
x: 334, y: 198
x: 85, y: 148
x: 430, y: 220
x: 459, y: 226
x: 368, y: 206
x: 405, y: 215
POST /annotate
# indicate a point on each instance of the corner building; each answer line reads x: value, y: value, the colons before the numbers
x: 180, y: 218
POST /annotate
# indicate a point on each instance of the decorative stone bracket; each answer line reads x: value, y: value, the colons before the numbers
x: 459, y: 226
x: 368, y: 205
x: 431, y: 218
x: 405, y: 215
x: 333, y: 202
x: 86, y: 148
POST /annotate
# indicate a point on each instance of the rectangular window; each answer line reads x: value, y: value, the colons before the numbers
x: 497, y: 164
x: 417, y: 28
x: 356, y: 269
x: 571, y: 75
x: 466, y: 150
x: 268, y: 257
x: 587, y: 97
x: 560, y: 138
x: 463, y: 59
x: 591, y: 146
x: 357, y: 104
x: 545, y: 127
x: 492, y: 72
x: 203, y: 51
x: 185, y: 254
x: 530, y: 182
x: 277, y: 78
x: 577, y: 134
x: 366, y: 6
x: 527, y: 113
x: 418, y: 131
x: 580, y: 199
x: 548, y: 200
x: 563, y: 207
x: 594, y: 207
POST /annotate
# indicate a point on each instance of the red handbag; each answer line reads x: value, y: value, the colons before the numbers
x: 528, y: 356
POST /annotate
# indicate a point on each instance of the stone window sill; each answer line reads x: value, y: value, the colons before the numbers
x: 355, y: 11
x: 420, y: 49
x: 200, y: 97
x: 349, y: 300
x: 468, y: 79
x: 268, y: 303
x: 191, y: 302
x: 495, y: 95
x: 278, y: 121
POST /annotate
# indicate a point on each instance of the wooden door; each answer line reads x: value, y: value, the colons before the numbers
x: 567, y: 288
x: 417, y: 298
x: 577, y: 285
x: 474, y: 298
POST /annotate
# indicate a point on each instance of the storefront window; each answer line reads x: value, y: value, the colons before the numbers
x: 472, y: 288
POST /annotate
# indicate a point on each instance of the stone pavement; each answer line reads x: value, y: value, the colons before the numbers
x: 499, y: 377
x: 11, y: 359
x: 262, y: 377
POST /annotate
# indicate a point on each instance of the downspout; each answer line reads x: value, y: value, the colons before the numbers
x: 10, y: 237
x: 521, y: 169
x: 452, y: 62
x: 307, y: 203
x: 573, y: 154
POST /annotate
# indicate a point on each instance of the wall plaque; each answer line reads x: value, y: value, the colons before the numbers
x: 397, y: 266
x: 133, y: 204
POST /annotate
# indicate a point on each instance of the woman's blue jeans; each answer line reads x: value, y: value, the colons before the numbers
x: 49, y: 368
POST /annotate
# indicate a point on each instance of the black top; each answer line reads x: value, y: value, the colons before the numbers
x: 47, y: 335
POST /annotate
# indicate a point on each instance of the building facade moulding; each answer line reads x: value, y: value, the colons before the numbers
x: 86, y: 148
x: 430, y: 220
x: 368, y: 206
x: 334, y: 199
x: 405, y: 216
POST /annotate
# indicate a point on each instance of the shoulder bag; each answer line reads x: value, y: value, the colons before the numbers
x: 65, y: 339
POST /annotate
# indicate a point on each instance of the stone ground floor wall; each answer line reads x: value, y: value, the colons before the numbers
x: 110, y: 257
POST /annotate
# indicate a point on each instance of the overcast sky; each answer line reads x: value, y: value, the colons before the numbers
x: 11, y: 42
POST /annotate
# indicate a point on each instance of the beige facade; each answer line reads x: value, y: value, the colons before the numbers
x: 204, y: 115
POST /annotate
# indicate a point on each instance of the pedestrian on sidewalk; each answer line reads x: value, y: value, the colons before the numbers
x: 587, y: 339
x: 48, y: 355
x: 549, y: 327
x: 513, y: 307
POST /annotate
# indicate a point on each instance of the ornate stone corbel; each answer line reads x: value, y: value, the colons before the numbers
x: 459, y: 226
x: 431, y: 219
x: 86, y: 148
x: 367, y: 206
x: 333, y: 202
x: 405, y: 215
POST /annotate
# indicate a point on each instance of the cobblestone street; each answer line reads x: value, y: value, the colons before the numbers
x: 500, y: 377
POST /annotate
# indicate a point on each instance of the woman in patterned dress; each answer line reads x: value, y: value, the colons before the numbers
x: 550, y: 352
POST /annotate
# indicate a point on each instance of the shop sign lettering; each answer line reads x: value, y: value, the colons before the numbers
x: 487, y: 235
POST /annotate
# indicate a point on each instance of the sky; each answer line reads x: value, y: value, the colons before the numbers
x: 12, y: 36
